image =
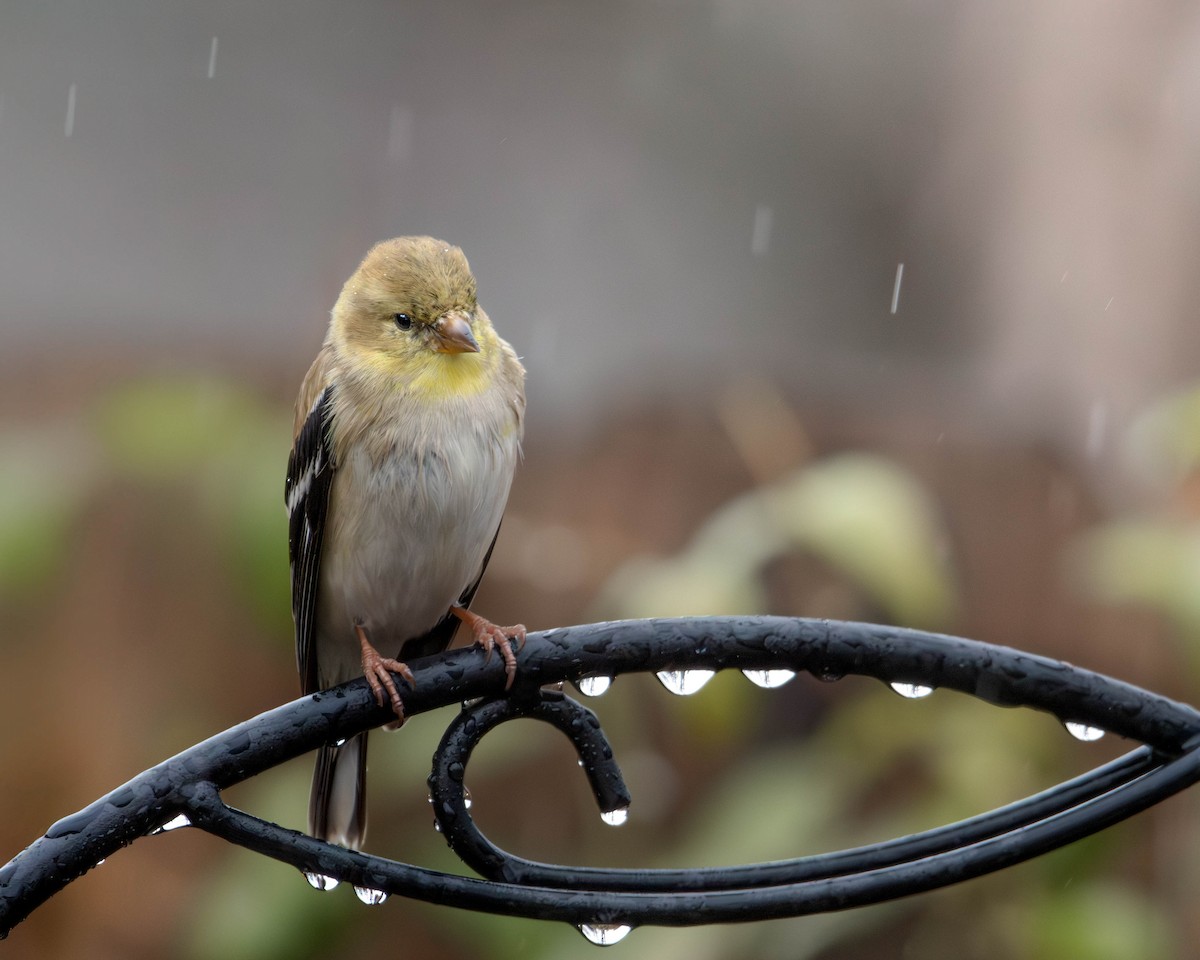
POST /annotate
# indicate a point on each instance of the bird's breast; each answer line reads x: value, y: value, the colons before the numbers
x: 413, y: 509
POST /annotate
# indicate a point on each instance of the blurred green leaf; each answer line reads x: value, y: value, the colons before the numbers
x: 1149, y: 562
x: 860, y: 513
x: 230, y: 449
x: 872, y: 519
x: 168, y: 428
x: 1099, y: 921
x: 44, y: 479
x: 1165, y: 440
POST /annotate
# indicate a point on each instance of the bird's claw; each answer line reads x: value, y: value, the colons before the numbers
x: 378, y: 670
x: 492, y: 637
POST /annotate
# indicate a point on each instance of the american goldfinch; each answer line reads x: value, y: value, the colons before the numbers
x: 408, y: 429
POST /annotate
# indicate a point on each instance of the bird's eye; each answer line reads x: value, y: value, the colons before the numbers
x: 403, y: 320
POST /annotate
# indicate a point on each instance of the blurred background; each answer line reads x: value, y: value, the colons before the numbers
x: 879, y: 311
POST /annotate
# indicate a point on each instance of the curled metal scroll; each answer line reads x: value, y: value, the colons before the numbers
x: 607, y: 902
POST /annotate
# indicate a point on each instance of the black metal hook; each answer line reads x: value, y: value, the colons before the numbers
x: 607, y: 901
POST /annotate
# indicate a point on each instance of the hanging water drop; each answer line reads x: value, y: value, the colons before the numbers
x: 318, y: 881
x: 614, y: 818
x: 437, y: 826
x: 1081, y: 731
x: 369, y: 896
x: 467, y: 797
x: 914, y: 691
x: 768, y: 679
x: 605, y: 934
x: 593, y: 686
x: 684, y: 683
x: 174, y: 824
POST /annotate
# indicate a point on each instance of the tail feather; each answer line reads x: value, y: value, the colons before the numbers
x: 337, y: 806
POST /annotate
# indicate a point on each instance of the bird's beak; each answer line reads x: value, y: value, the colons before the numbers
x: 453, y: 335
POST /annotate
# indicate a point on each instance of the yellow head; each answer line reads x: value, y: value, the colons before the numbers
x: 409, y: 313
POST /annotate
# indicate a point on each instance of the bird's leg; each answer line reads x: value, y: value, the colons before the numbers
x: 490, y: 636
x: 377, y: 669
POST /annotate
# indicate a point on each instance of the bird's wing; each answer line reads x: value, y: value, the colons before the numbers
x: 438, y: 638
x: 310, y: 475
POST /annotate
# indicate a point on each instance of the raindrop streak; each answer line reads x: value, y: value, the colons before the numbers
x: 605, y: 934
x: 69, y: 126
x: 212, y: 60
x: 1097, y: 424
x: 318, y: 881
x: 914, y: 691
x: 400, y: 133
x: 175, y: 823
x: 768, y: 679
x: 684, y: 683
x: 593, y: 686
x: 370, y: 897
x: 896, y: 288
x: 614, y: 818
x: 760, y: 239
x: 1081, y: 731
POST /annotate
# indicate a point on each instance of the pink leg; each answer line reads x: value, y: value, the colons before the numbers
x: 378, y: 671
x: 490, y: 636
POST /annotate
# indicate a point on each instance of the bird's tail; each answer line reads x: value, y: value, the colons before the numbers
x: 337, y: 806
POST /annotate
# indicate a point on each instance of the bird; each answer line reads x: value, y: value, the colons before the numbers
x: 407, y: 433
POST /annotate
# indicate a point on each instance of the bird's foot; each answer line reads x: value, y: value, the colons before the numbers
x: 378, y: 671
x: 492, y: 637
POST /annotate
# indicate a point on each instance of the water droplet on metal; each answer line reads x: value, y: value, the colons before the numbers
x: 605, y: 934
x: 175, y: 823
x: 437, y: 826
x: 684, y: 683
x: 1081, y: 731
x: 593, y: 686
x: 467, y: 798
x: 339, y: 743
x: 318, y: 881
x: 768, y: 679
x: 914, y: 691
x: 614, y: 818
x: 828, y: 674
x: 370, y: 896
